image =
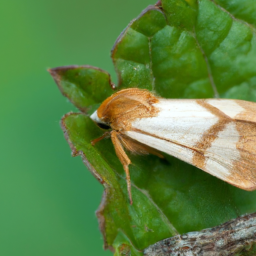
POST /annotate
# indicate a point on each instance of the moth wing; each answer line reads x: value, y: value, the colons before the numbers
x: 217, y: 138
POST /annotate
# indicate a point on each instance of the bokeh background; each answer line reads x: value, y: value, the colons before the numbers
x: 47, y: 198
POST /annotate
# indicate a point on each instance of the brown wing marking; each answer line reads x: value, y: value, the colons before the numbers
x: 249, y: 113
x: 244, y: 169
x: 210, y: 135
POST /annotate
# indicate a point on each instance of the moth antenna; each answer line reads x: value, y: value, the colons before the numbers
x: 106, y: 134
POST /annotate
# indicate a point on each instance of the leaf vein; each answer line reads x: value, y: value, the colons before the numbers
x: 234, y: 18
x: 209, y: 70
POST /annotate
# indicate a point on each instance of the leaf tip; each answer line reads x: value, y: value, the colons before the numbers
x: 55, y: 73
x: 159, y: 3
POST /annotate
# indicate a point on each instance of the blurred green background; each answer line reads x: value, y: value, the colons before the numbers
x: 47, y: 198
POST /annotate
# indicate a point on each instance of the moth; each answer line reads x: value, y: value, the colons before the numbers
x: 215, y: 135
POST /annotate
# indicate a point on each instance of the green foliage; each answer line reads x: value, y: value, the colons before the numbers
x: 180, y: 49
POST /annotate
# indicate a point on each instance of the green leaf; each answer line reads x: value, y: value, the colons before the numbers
x: 178, y: 49
x: 123, y: 246
x: 84, y: 86
x: 116, y: 210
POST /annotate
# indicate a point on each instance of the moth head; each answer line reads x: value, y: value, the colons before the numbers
x: 103, y: 125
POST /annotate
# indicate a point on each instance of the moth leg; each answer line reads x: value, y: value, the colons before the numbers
x: 124, y: 159
x: 137, y: 148
x: 106, y: 134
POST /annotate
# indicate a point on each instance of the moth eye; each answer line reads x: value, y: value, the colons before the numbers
x: 103, y: 126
